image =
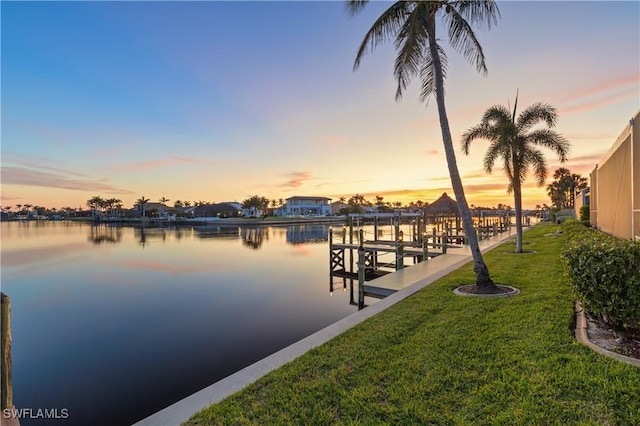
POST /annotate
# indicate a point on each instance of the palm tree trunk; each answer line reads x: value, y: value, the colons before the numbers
x: 484, y: 282
x: 517, y: 199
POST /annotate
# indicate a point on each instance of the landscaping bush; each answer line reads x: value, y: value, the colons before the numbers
x: 584, y: 213
x: 605, y: 274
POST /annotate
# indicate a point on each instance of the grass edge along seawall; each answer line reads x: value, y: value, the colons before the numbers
x: 439, y: 358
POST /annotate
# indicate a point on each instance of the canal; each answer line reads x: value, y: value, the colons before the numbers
x: 111, y: 324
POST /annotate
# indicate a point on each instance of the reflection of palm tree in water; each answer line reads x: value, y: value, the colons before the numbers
x: 254, y: 237
x: 103, y: 233
x: 143, y: 237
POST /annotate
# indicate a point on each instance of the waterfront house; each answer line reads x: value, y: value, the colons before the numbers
x: 305, y: 206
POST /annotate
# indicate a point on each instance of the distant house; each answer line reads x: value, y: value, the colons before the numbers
x: 304, y: 206
x: 222, y: 210
x: 337, y: 206
x: 150, y: 210
x: 251, y: 212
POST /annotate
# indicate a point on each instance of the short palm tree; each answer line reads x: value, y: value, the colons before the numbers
x: 517, y: 143
x: 411, y: 25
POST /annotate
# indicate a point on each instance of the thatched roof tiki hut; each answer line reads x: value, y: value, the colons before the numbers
x: 443, y: 211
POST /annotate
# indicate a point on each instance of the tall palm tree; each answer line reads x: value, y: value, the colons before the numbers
x: 517, y: 143
x: 412, y: 27
x: 141, y: 202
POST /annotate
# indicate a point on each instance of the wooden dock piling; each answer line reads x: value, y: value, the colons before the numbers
x: 7, y: 390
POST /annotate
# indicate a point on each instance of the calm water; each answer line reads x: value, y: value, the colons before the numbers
x: 114, y: 324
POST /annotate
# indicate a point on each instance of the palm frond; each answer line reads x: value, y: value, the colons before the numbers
x: 536, y: 113
x: 495, y: 151
x: 464, y: 41
x: 535, y: 158
x: 384, y: 29
x: 478, y: 12
x: 480, y: 131
x: 495, y: 115
x: 410, y: 43
x: 356, y: 6
x: 552, y: 140
x: 427, y: 73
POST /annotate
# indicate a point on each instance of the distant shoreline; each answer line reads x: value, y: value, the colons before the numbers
x: 269, y: 221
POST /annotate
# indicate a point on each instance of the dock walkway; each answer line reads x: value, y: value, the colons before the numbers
x: 406, y: 282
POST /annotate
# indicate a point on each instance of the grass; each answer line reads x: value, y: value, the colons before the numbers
x: 437, y: 358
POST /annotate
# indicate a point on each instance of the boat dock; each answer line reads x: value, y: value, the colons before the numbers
x: 367, y: 264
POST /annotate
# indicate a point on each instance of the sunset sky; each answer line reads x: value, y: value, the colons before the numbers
x: 218, y: 101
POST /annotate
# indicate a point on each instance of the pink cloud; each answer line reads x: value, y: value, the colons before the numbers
x: 301, y: 250
x: 22, y: 176
x: 605, y: 86
x: 34, y: 255
x: 153, y: 164
x: 599, y: 103
x: 599, y: 95
x: 171, y: 269
x: 36, y: 162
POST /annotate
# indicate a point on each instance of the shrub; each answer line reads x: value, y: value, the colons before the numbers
x: 584, y: 213
x: 605, y: 274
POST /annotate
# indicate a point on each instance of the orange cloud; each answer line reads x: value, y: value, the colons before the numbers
x: 296, y: 179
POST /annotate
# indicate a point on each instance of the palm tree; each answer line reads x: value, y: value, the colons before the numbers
x: 141, y: 202
x: 517, y: 142
x: 67, y: 209
x: 412, y: 27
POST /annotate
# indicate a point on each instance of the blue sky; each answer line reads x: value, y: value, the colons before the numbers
x: 218, y: 101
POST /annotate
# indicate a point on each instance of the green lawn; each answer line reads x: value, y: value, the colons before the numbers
x: 438, y: 358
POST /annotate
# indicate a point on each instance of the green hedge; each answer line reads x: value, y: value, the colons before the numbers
x: 605, y: 274
x: 584, y: 213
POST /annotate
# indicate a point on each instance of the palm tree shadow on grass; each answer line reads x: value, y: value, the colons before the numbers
x: 501, y: 290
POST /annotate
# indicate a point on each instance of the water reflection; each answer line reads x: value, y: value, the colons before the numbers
x: 227, y: 232
x: 103, y: 233
x: 254, y: 237
x: 143, y: 234
x: 94, y: 307
x: 307, y: 234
